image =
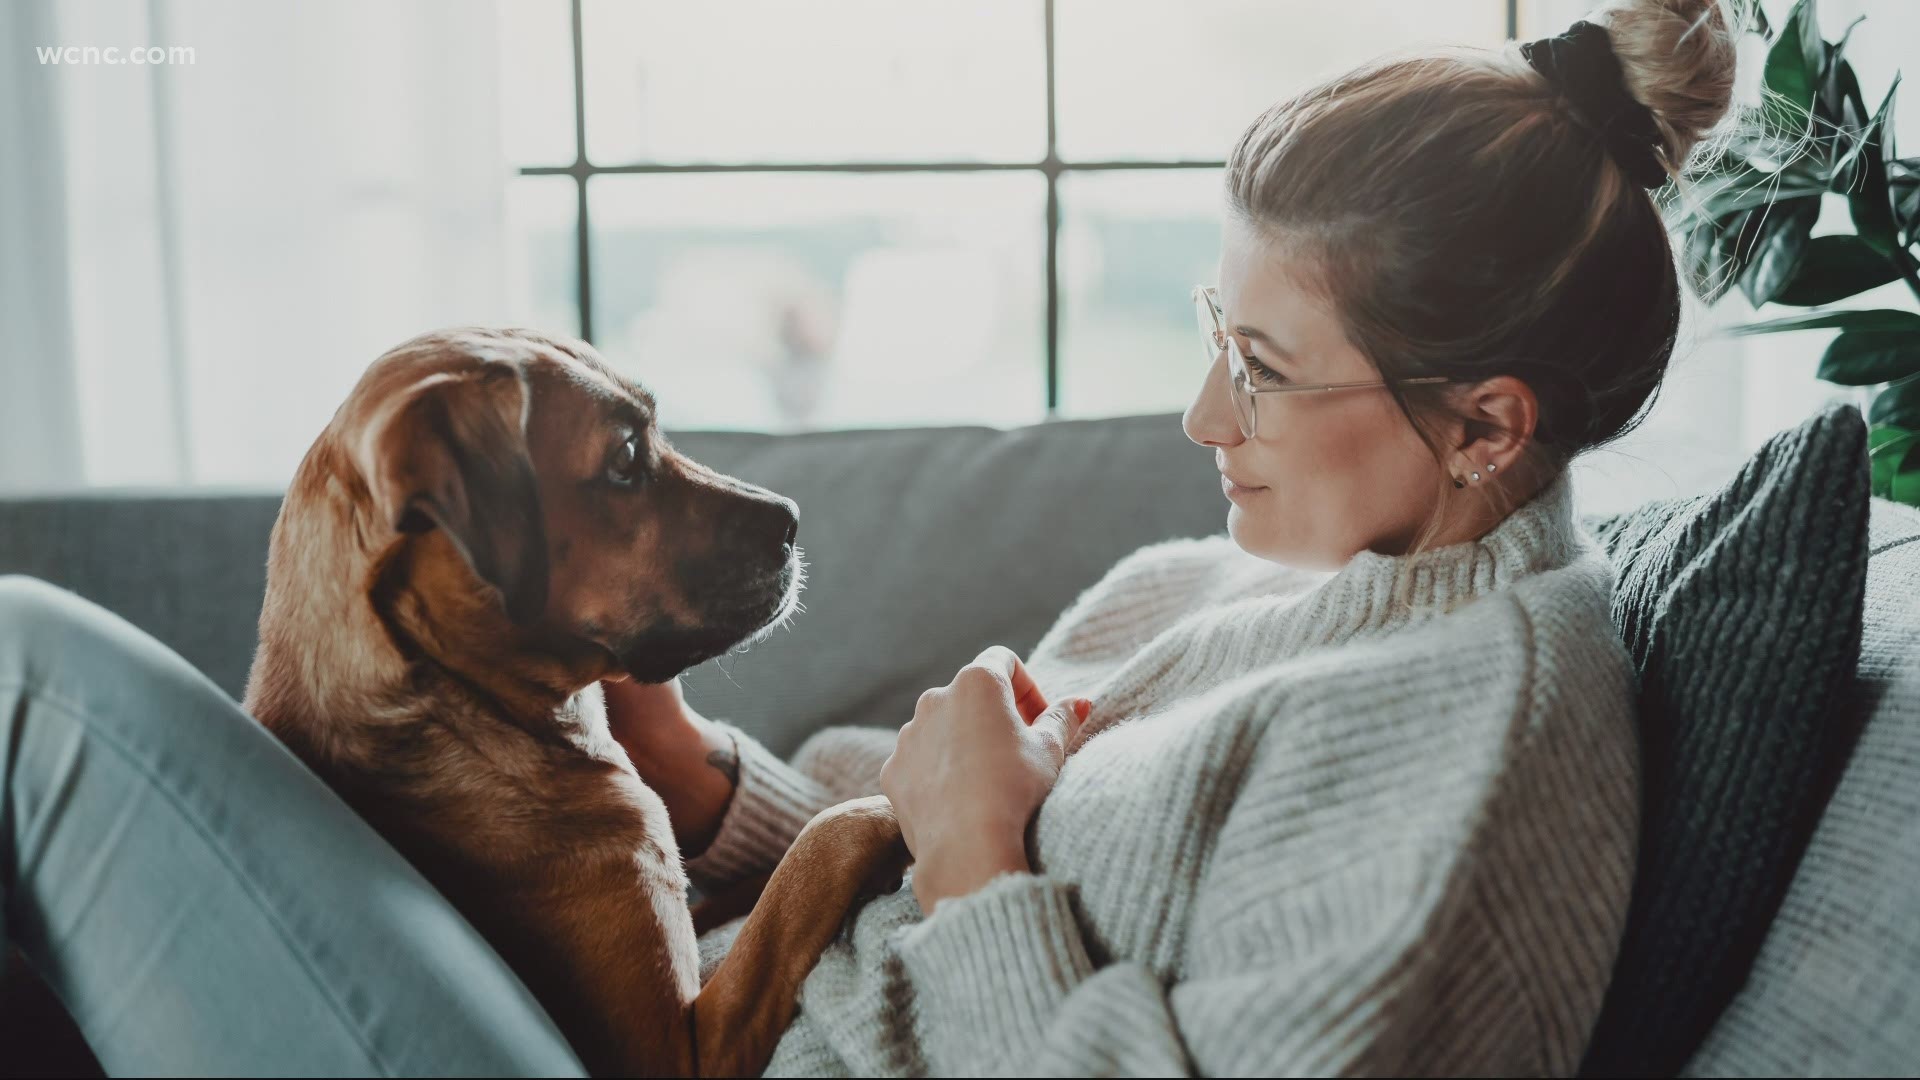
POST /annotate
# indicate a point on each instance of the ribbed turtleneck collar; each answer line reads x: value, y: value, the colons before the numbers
x: 1374, y: 591
x: 1221, y: 618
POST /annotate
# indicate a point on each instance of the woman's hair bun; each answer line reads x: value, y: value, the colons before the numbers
x: 1678, y: 59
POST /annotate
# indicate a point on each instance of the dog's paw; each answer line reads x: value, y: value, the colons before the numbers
x: 862, y: 836
x: 865, y: 821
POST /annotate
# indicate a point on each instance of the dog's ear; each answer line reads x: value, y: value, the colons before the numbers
x: 450, y: 452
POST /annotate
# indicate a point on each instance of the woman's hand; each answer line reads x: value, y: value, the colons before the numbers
x: 690, y: 763
x: 969, y: 770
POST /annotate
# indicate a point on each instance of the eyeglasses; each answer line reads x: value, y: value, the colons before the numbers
x: 1216, y: 340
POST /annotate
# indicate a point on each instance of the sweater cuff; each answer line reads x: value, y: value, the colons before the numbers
x: 993, y: 966
x: 770, y: 805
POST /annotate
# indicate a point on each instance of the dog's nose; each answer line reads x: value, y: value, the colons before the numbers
x: 792, y: 511
x: 776, y: 518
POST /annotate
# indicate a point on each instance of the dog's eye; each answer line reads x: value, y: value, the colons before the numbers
x: 623, y: 466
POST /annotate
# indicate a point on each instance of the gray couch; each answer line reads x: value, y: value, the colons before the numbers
x: 928, y: 544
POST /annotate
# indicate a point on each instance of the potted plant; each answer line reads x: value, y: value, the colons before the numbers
x: 1747, y: 220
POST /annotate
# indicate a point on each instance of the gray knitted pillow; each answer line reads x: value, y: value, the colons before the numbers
x: 1742, y: 610
x: 1835, y: 990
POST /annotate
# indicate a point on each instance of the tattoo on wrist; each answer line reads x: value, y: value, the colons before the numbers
x: 728, y: 763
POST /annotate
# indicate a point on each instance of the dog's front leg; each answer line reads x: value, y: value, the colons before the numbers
x: 613, y: 959
x: 846, y: 852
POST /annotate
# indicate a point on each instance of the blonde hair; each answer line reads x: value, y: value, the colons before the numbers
x: 1462, y: 221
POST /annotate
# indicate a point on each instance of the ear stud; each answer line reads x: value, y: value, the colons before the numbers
x: 1459, y: 483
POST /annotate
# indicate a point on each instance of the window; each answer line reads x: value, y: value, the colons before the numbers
x: 868, y: 213
x: 844, y: 213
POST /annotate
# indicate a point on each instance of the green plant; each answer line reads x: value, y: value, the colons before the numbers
x: 1747, y: 219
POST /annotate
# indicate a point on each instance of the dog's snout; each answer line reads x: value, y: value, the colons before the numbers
x: 766, y: 522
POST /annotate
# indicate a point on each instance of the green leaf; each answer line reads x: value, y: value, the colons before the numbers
x: 1859, y: 319
x: 1903, y: 186
x: 1873, y: 138
x: 1793, y: 69
x: 1703, y: 258
x: 1906, y: 482
x: 1893, y: 451
x: 1771, y: 256
x: 1813, y: 47
x: 1898, y: 404
x: 1839, y: 91
x: 1734, y: 239
x: 1867, y: 357
x: 1869, y: 196
x: 1745, y: 187
x: 1841, y: 147
x: 1834, y: 268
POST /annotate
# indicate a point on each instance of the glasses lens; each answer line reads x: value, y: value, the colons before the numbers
x: 1209, y: 326
x: 1212, y: 340
x: 1238, y: 381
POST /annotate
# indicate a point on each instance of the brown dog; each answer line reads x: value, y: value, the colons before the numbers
x: 490, y: 525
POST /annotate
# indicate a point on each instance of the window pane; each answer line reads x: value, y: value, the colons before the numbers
x: 1132, y: 247
x: 1149, y: 79
x: 772, y: 80
x: 542, y: 267
x: 536, y: 81
x: 785, y: 301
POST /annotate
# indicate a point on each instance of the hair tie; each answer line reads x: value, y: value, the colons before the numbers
x: 1581, y: 65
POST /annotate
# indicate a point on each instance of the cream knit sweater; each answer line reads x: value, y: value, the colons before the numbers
x: 1375, y: 821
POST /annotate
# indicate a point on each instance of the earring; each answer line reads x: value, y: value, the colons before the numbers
x: 1459, y: 483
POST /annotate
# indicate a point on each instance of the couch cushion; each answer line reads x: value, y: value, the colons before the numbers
x: 1742, y: 610
x: 1835, y: 990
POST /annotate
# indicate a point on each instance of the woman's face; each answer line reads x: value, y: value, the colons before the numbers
x: 1330, y: 473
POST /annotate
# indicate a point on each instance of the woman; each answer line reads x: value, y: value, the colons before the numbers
x: 1352, y: 788
x: 1376, y: 821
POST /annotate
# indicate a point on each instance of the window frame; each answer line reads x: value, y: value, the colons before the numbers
x: 1050, y: 166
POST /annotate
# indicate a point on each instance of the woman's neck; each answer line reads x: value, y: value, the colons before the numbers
x: 1474, y: 511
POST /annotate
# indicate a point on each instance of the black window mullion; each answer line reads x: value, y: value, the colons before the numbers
x: 1051, y: 165
x: 651, y: 168
x: 582, y: 169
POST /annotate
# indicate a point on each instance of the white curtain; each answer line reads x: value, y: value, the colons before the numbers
x: 39, y: 409
x: 201, y: 257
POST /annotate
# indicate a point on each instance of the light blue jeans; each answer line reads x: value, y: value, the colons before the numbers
x: 200, y: 900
